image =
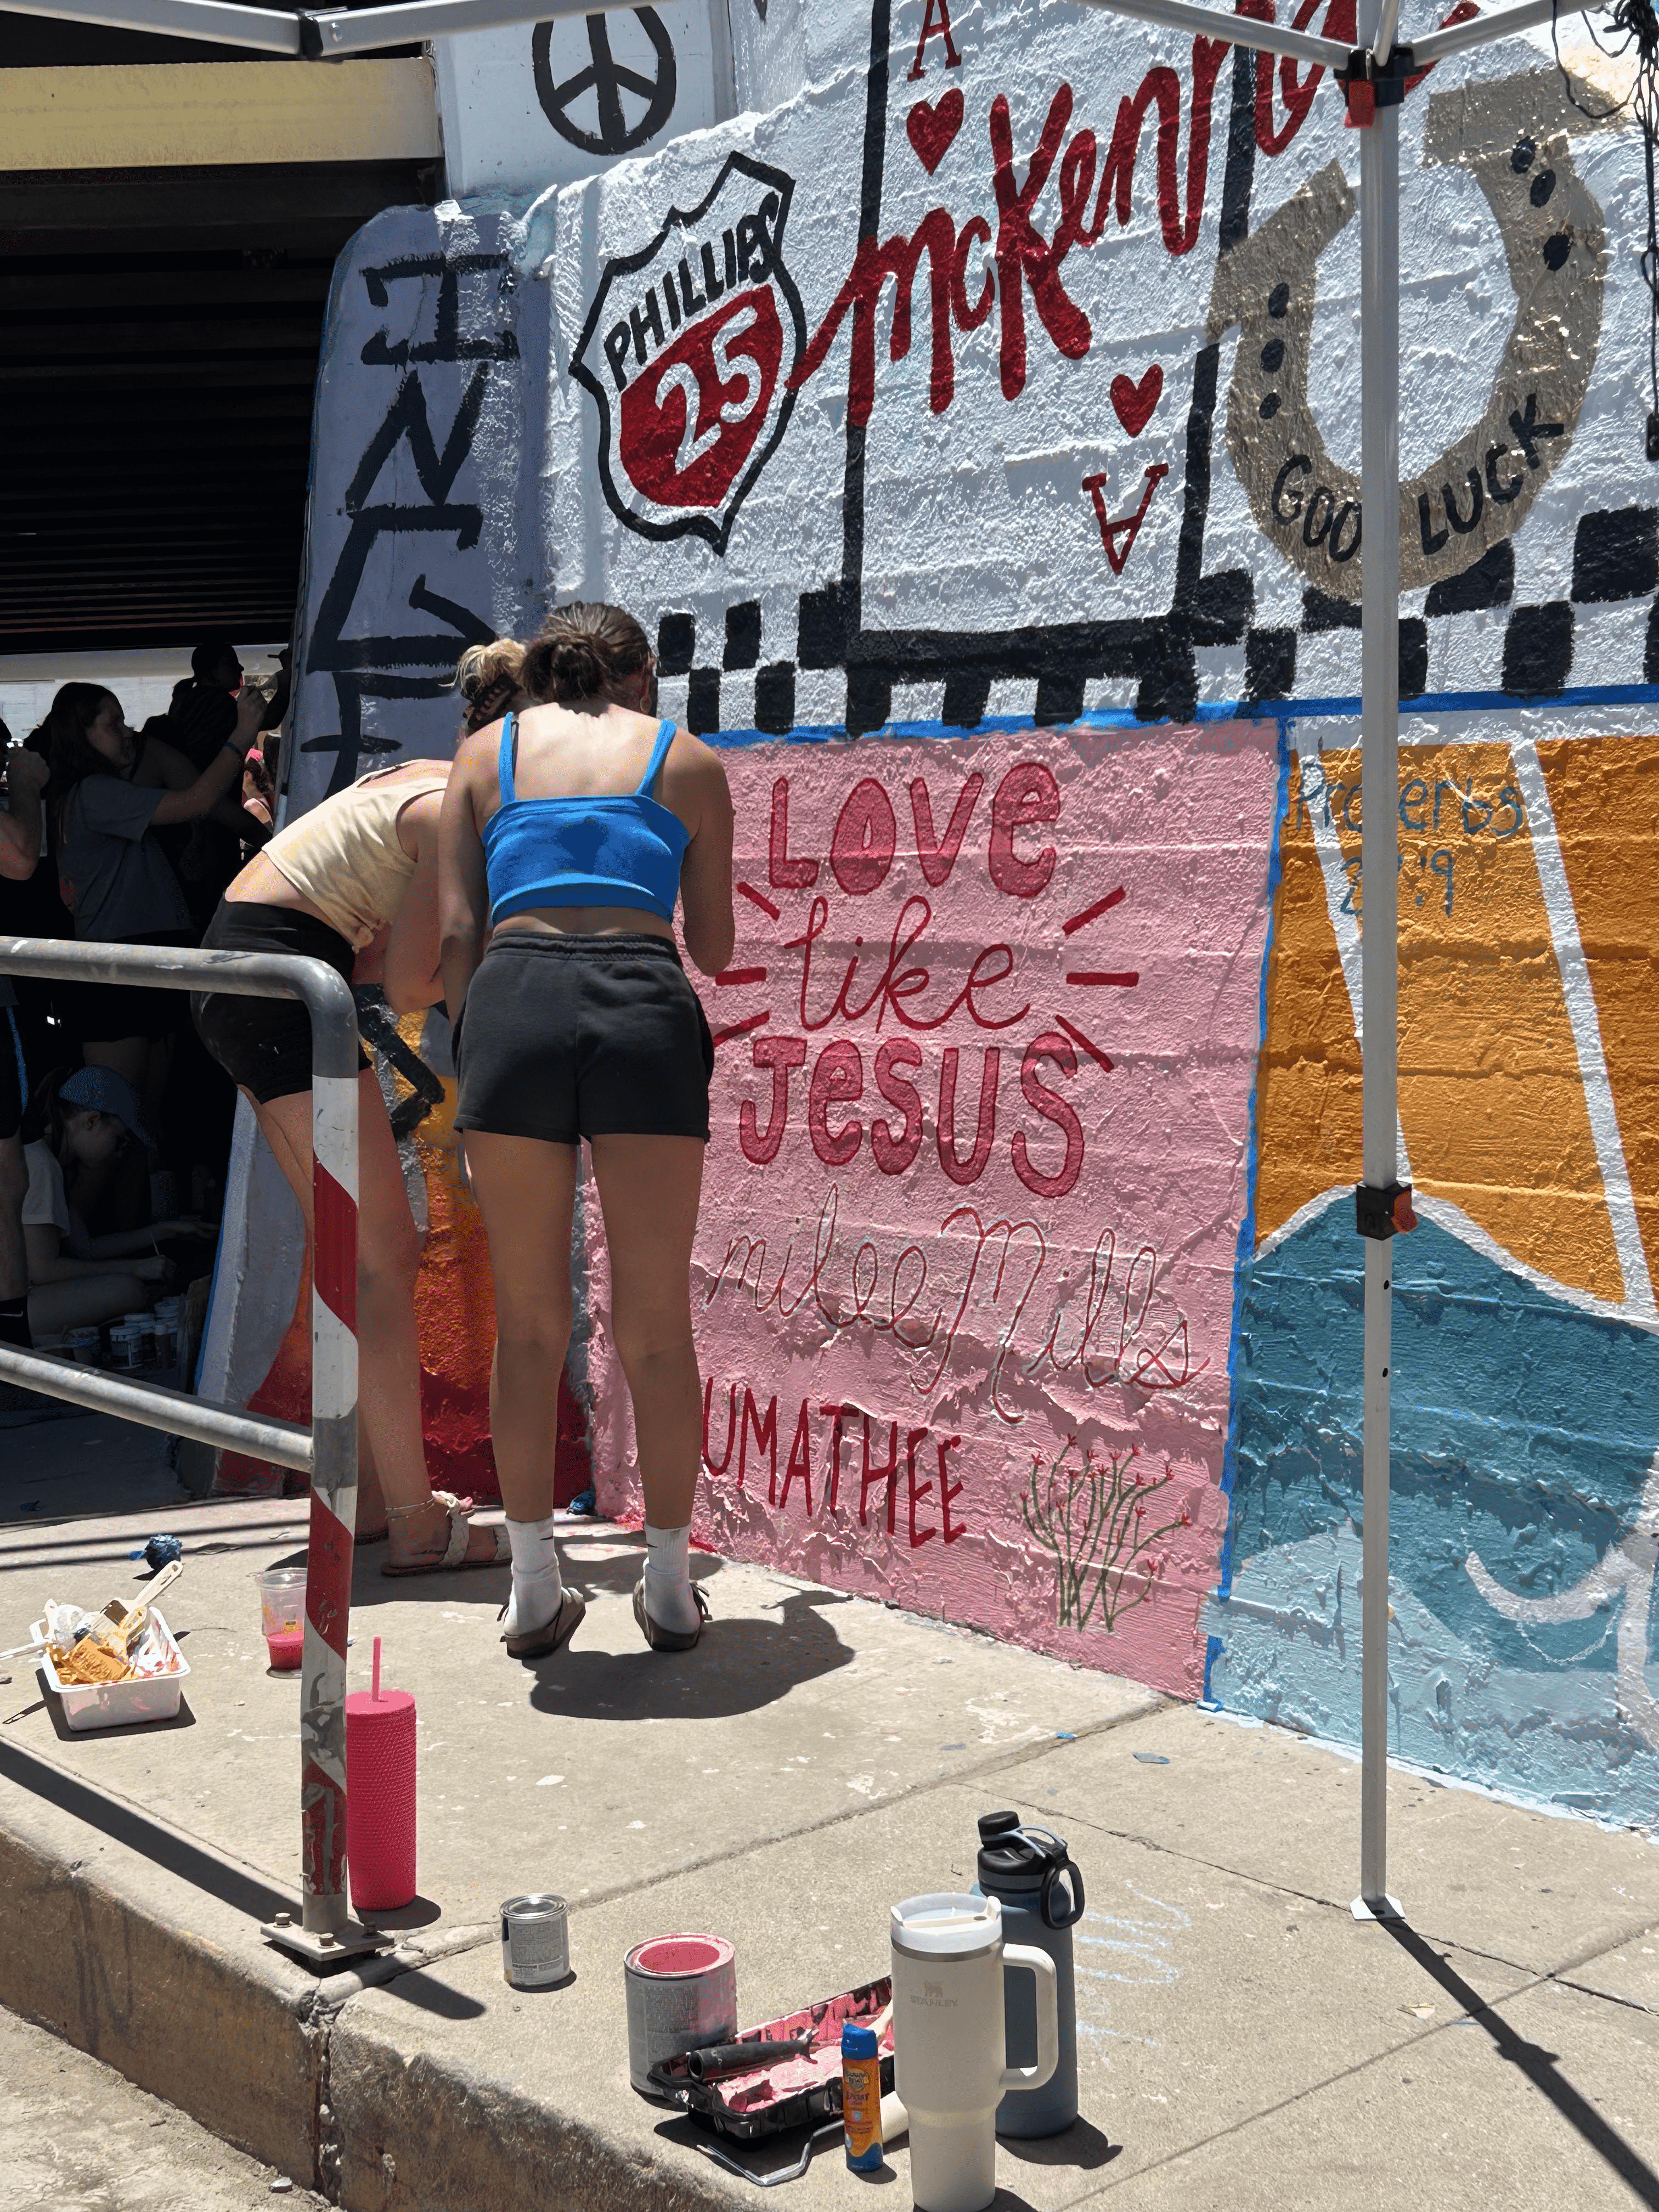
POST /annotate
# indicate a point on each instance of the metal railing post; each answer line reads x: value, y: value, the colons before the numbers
x: 328, y: 1451
x: 334, y: 1455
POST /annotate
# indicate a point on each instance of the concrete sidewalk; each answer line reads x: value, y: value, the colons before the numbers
x: 1245, y: 2042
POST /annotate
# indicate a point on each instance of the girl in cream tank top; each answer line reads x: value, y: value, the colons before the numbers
x: 344, y: 857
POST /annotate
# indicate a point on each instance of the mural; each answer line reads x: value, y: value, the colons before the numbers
x: 976, y: 417
x: 985, y: 1059
x: 1525, y: 1512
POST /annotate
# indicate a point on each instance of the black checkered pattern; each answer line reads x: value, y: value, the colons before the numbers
x: 1615, y: 559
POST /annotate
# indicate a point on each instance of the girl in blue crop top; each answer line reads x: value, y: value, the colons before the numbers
x: 571, y: 831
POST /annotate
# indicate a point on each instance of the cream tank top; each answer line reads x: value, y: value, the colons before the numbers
x: 343, y: 856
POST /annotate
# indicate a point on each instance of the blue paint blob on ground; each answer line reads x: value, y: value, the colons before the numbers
x: 1525, y: 1433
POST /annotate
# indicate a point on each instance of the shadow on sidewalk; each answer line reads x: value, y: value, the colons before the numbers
x: 243, y: 1892
x: 1540, y: 2067
x: 739, y: 1667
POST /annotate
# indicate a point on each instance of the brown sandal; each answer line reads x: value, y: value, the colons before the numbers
x: 537, y: 1643
x: 669, y: 1639
x: 454, y: 1554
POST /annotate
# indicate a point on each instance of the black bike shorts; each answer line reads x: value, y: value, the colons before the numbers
x: 264, y: 1044
x: 566, y: 1037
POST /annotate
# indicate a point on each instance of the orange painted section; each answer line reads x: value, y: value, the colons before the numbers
x: 1605, y: 797
x: 1308, y: 1098
x: 1490, y: 1097
x: 455, y: 1307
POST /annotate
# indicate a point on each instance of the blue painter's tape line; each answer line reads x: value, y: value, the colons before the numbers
x: 1243, y: 1257
x: 1213, y: 1648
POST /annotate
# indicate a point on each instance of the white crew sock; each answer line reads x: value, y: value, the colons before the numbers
x: 538, y: 1590
x: 668, y: 1598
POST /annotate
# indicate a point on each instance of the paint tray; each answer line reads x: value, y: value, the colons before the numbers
x: 800, y: 2092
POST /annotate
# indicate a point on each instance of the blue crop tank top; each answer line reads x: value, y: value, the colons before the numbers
x: 615, y: 849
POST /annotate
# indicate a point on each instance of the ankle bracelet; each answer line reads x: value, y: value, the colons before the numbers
x: 443, y: 1498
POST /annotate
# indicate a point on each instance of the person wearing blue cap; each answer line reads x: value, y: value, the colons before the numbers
x: 83, y: 1120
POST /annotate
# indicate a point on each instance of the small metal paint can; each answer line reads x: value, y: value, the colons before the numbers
x: 535, y: 1940
x: 682, y: 1994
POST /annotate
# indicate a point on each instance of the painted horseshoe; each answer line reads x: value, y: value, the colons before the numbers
x: 1512, y: 136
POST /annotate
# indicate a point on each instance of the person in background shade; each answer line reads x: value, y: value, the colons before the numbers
x: 20, y: 852
x: 82, y: 1118
x: 105, y: 801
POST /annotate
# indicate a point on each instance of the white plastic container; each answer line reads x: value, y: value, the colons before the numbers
x: 127, y: 1346
x: 118, y: 1705
x: 144, y: 1323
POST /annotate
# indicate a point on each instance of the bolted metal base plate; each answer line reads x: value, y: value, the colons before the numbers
x: 1390, y: 1909
x: 320, y: 1948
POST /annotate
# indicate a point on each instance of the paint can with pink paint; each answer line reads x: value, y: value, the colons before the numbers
x: 682, y: 1994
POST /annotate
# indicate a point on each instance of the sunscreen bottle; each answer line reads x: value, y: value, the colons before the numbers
x: 860, y: 2097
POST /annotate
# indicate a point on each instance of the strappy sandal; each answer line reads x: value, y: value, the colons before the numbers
x: 537, y: 1643
x: 669, y: 1639
x: 454, y: 1554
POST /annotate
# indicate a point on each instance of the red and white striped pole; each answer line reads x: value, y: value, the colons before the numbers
x: 334, y: 1449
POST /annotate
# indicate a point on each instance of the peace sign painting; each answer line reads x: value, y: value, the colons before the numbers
x: 529, y: 106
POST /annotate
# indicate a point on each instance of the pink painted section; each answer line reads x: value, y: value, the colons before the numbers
x: 939, y: 1238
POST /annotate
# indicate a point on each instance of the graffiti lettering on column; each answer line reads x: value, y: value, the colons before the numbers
x: 362, y: 665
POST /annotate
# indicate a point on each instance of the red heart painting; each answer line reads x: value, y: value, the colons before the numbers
x: 933, y: 127
x: 1133, y: 403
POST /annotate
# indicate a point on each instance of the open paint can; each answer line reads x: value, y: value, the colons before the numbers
x: 535, y: 1940
x: 682, y: 1994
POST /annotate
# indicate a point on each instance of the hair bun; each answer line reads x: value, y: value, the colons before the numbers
x: 586, y: 650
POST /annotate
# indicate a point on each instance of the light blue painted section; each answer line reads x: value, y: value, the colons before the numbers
x: 1524, y: 1429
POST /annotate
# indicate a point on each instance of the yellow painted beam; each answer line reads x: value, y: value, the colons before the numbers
x: 171, y: 114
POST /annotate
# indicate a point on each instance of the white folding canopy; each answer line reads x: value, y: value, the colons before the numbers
x: 1375, y: 76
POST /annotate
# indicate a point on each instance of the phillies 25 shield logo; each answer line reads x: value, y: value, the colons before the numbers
x: 688, y: 350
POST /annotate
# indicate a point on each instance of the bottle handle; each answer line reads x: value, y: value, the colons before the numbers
x: 1047, y: 2018
x: 1056, y: 1869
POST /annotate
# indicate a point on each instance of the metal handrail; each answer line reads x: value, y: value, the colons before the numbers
x: 328, y: 1451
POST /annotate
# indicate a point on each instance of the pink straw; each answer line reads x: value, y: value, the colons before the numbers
x: 374, y: 1687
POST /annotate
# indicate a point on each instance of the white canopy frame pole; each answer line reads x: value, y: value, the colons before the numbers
x: 322, y: 35
x: 1379, y: 358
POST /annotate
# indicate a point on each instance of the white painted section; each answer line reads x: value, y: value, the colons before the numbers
x: 1586, y: 1029
x: 511, y: 126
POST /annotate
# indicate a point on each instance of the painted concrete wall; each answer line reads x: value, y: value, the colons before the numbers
x: 534, y: 104
x: 987, y: 396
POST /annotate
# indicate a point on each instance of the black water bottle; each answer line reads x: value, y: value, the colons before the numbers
x: 1029, y: 1872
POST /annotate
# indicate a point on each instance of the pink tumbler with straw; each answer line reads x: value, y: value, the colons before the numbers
x: 381, y: 1796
